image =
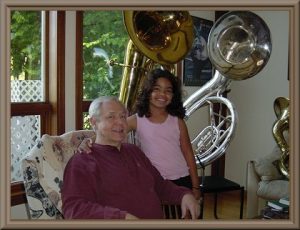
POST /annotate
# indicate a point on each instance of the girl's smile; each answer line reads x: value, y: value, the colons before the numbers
x: 162, y: 93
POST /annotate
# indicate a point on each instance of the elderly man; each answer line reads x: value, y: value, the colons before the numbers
x: 116, y: 180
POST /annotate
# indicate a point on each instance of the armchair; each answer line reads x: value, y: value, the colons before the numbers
x: 42, y: 171
x: 264, y: 182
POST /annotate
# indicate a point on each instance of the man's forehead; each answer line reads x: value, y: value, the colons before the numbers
x: 114, y: 111
x: 113, y: 107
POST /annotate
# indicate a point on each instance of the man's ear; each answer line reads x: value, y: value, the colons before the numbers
x: 93, y: 123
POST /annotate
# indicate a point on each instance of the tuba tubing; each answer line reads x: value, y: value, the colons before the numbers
x: 217, y: 137
x: 216, y: 86
x: 281, y: 109
x: 134, y: 71
x: 156, y: 38
x: 239, y: 46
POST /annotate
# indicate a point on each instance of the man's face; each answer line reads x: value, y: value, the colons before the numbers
x: 111, y: 128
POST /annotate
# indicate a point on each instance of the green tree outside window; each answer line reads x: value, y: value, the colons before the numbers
x: 104, y: 38
x: 26, y: 45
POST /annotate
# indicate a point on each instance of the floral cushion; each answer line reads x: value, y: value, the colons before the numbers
x: 43, y: 170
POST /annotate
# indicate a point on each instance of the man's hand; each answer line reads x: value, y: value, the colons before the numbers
x: 85, y: 145
x: 196, y: 193
x: 130, y: 217
x: 189, y: 203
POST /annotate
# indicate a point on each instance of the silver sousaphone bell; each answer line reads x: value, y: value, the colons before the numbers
x: 239, y: 46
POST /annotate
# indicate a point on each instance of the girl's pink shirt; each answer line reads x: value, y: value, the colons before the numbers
x: 161, y: 144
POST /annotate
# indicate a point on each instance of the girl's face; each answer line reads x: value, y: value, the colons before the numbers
x: 162, y: 93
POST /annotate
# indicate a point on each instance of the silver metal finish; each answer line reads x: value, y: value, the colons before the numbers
x: 239, y: 46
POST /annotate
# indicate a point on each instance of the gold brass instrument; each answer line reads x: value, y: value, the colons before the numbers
x: 156, y: 38
x: 239, y: 46
x: 281, y: 109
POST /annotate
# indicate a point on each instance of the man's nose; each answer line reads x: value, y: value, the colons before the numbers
x: 120, y: 120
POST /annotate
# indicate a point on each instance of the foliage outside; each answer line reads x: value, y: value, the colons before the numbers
x: 104, y: 38
x: 101, y: 30
x: 105, y: 32
x: 26, y: 45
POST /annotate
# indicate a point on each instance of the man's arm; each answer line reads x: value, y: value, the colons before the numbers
x: 170, y: 193
x: 173, y: 194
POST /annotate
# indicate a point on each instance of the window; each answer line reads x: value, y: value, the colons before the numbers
x: 34, y: 105
x: 27, y: 84
x: 99, y: 45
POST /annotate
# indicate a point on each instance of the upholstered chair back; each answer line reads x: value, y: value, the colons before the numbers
x: 43, y: 169
x: 265, y: 181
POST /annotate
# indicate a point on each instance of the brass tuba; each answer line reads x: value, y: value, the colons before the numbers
x: 156, y: 38
x: 239, y: 46
x: 281, y: 109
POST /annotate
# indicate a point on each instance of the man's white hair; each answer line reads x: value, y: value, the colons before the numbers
x: 95, y: 107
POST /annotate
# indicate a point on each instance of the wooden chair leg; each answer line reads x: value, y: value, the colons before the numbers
x: 215, y: 205
x: 242, y: 203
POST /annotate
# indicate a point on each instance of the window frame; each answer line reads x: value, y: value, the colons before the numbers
x: 54, y: 104
x: 81, y: 105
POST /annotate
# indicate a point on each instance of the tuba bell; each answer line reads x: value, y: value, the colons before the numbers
x: 239, y: 46
x: 157, y: 38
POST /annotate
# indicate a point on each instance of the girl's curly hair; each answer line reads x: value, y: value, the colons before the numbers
x: 175, y: 108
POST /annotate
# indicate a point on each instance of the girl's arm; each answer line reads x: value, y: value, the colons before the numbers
x: 131, y: 121
x: 187, y: 150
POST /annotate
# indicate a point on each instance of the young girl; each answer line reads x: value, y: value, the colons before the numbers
x: 161, y: 131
